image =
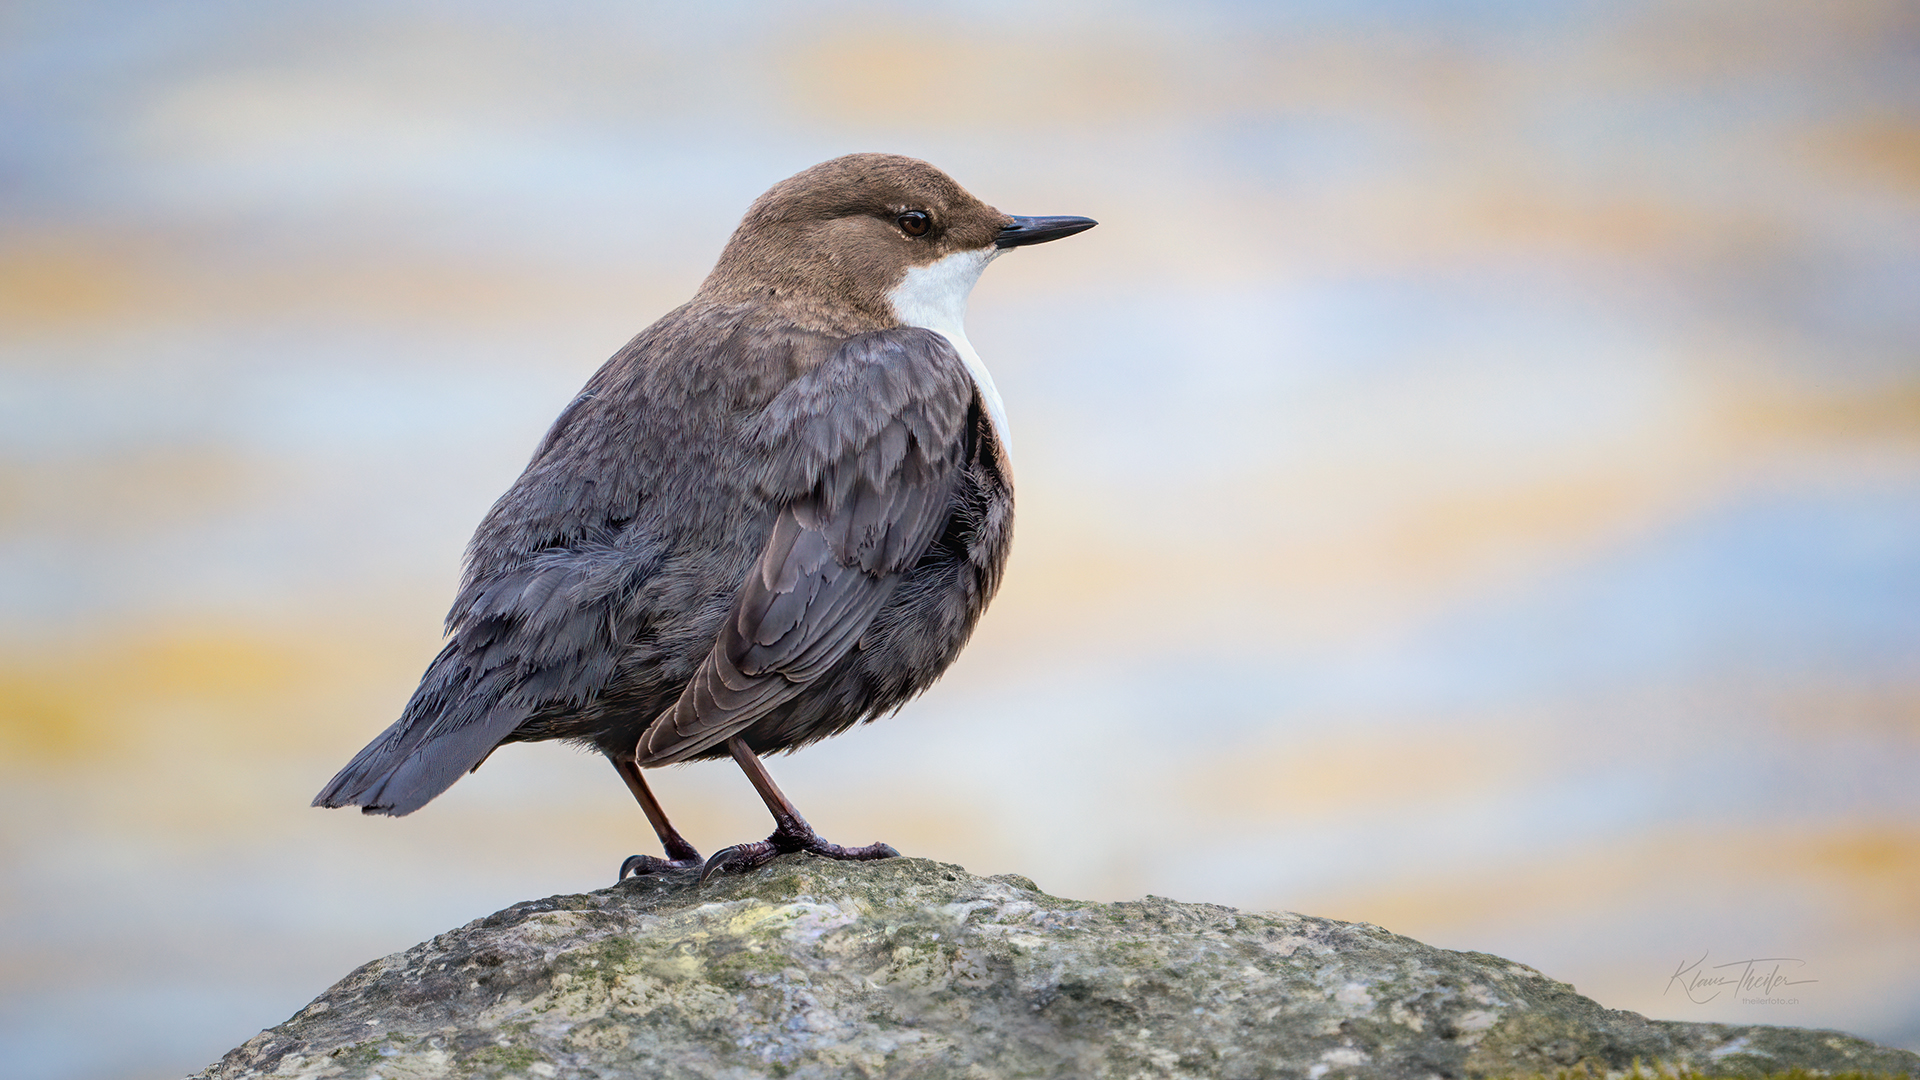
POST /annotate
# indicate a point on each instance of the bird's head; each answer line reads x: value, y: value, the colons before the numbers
x: 880, y: 239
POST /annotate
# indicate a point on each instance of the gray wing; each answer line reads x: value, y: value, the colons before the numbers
x: 866, y: 450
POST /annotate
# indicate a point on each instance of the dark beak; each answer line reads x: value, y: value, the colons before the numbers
x: 1039, y: 230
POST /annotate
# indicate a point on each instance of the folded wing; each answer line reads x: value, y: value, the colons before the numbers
x: 864, y: 453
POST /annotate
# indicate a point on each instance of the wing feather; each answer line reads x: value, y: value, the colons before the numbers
x: 865, y: 452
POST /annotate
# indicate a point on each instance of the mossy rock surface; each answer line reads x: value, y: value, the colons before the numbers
x: 909, y: 968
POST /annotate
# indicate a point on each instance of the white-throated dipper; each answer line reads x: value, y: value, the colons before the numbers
x: 777, y: 512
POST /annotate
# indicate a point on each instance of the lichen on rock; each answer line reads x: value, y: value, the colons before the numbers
x: 911, y: 968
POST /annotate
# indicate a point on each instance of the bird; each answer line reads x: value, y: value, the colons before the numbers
x: 777, y: 512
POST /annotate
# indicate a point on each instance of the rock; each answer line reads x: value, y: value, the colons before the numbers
x: 911, y: 968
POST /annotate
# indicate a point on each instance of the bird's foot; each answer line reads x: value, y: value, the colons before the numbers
x: 680, y: 856
x: 789, y: 836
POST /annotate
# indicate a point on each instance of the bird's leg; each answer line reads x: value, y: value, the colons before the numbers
x: 790, y: 833
x: 680, y: 854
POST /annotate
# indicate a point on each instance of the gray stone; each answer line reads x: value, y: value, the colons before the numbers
x: 911, y: 968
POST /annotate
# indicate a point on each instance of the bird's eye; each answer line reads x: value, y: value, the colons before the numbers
x: 914, y: 222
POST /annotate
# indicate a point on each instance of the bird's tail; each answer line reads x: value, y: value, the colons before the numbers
x: 453, y: 722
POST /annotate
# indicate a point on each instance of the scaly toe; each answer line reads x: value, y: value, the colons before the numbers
x: 637, y: 865
x: 835, y: 851
x: 738, y: 859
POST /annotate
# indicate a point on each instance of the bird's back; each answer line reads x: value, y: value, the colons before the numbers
x: 611, y: 560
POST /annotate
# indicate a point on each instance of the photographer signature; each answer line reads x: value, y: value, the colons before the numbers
x: 1751, y: 977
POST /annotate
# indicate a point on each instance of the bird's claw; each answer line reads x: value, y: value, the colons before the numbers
x: 738, y: 859
x: 743, y: 857
x: 637, y: 865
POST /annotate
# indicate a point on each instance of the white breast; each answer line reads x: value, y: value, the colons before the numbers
x: 934, y: 297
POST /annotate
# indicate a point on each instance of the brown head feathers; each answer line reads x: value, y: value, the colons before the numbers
x: 833, y: 240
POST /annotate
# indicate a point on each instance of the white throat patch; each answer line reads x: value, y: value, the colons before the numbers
x: 934, y: 297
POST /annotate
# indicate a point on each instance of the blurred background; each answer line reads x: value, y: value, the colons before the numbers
x: 1470, y: 481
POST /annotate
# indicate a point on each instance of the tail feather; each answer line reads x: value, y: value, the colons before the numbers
x: 522, y: 637
x: 449, y: 727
